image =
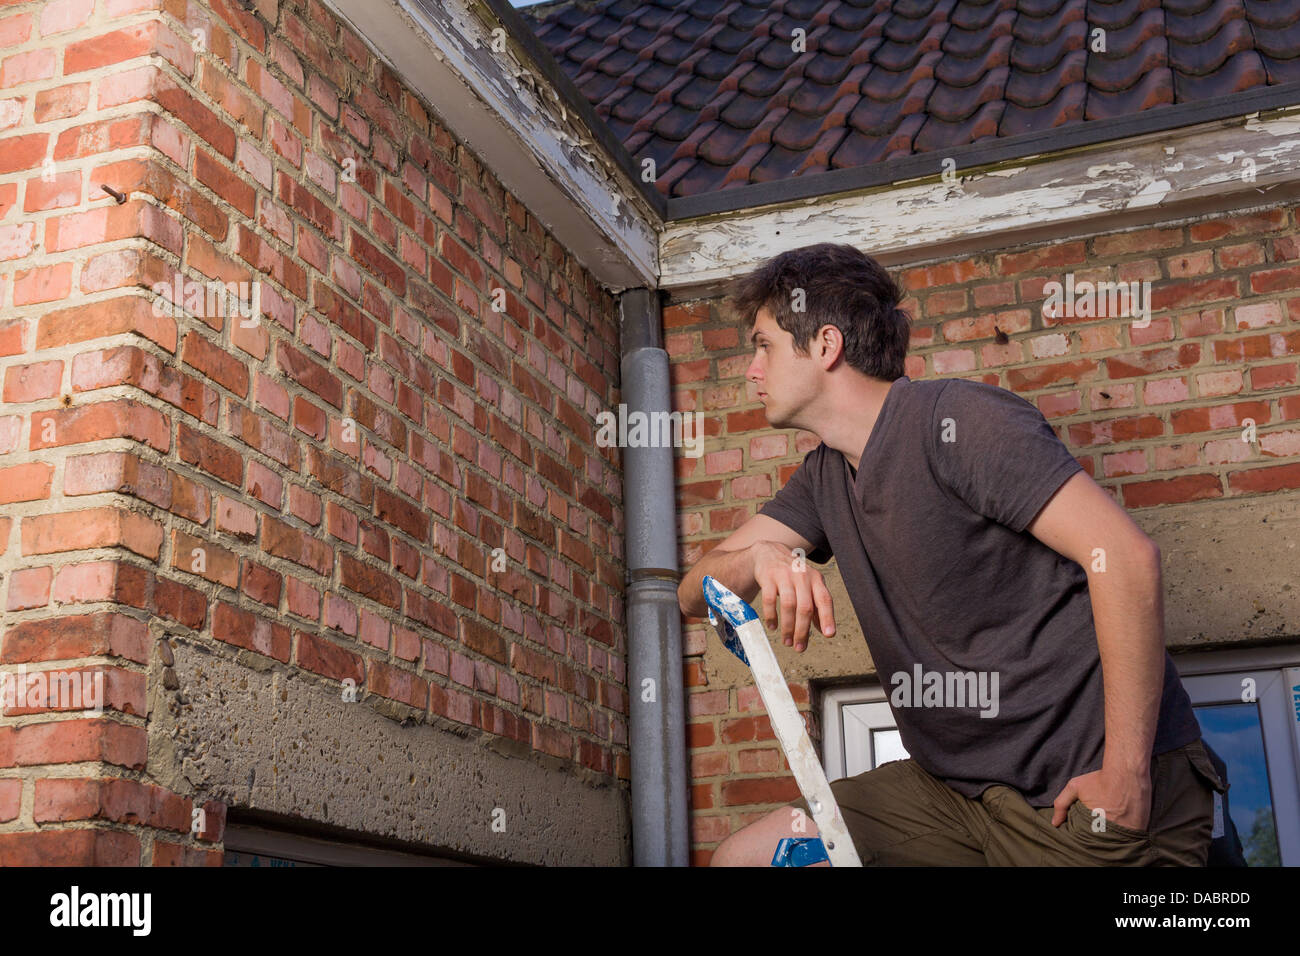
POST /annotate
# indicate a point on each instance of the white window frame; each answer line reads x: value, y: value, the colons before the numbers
x: 834, y: 700
x: 1212, y: 677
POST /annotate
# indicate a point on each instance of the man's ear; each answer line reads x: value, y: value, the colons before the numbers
x: 830, y: 345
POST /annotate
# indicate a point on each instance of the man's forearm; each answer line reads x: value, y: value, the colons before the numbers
x: 1128, y: 613
x: 734, y: 569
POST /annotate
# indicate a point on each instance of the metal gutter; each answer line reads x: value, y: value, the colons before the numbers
x: 656, y: 693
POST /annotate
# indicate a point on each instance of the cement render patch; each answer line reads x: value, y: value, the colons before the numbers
x: 255, y: 735
x: 1229, y: 570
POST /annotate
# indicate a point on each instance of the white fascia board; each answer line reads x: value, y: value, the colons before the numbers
x: 1120, y: 184
x: 503, y: 108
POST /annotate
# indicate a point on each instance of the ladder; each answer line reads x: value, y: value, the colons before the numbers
x: 743, y: 634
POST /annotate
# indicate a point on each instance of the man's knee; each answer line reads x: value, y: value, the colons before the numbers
x: 755, y: 845
x: 737, y: 849
x: 724, y: 855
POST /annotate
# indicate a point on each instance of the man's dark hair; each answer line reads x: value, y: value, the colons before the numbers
x: 842, y: 287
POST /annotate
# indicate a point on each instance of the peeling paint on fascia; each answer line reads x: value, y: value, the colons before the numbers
x: 525, y: 95
x: 1114, y: 186
x: 566, y: 128
x: 1151, y: 194
x: 919, y: 213
x: 1095, y: 171
x: 1278, y: 124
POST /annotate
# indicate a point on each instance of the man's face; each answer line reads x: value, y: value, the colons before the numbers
x: 785, y: 382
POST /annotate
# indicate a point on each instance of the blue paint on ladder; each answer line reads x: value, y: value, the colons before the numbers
x: 732, y: 612
x: 800, y: 851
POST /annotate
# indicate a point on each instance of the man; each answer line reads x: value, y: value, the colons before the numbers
x: 1012, y: 606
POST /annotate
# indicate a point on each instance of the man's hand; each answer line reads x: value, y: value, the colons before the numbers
x: 1126, y: 797
x: 801, y: 594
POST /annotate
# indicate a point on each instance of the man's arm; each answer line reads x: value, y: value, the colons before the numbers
x: 757, y: 556
x: 1128, y: 613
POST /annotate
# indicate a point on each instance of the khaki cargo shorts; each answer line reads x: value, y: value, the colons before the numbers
x: 899, y: 815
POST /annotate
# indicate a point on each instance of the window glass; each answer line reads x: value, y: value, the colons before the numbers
x: 1234, y: 732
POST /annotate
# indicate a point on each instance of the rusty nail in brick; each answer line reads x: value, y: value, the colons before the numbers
x: 120, y: 197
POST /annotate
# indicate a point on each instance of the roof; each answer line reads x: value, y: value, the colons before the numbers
x: 716, y: 94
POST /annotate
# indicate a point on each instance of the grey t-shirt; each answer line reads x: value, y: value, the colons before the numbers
x: 964, y: 611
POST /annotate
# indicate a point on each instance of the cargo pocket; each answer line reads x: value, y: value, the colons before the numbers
x: 1204, y: 767
x: 1194, y: 813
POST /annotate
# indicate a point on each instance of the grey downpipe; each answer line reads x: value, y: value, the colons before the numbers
x: 657, y: 723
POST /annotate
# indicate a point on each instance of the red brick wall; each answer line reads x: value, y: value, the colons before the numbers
x: 345, y: 466
x: 1154, y: 414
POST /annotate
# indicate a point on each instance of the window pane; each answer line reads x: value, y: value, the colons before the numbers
x: 857, y: 723
x: 870, y: 737
x: 888, y: 746
x: 1233, y: 730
